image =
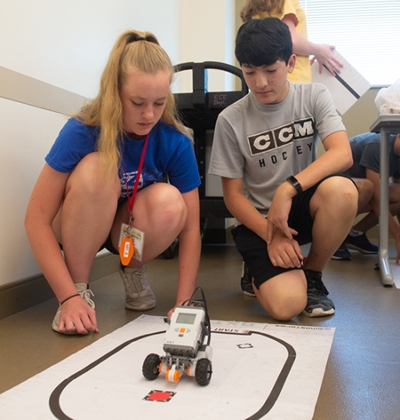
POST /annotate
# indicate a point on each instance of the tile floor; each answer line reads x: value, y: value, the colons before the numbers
x: 362, y: 379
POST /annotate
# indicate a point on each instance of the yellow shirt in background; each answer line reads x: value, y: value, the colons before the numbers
x: 302, y: 70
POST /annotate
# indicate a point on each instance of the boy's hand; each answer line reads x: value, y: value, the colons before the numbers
x: 284, y: 252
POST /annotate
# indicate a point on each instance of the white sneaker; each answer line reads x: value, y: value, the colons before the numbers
x: 139, y: 296
x: 82, y: 289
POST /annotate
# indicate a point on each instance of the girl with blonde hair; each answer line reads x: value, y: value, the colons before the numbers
x: 102, y: 187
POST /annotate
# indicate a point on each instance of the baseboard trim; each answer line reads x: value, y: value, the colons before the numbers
x: 22, y: 295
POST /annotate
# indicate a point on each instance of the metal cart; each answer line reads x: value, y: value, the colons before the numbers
x: 199, y: 110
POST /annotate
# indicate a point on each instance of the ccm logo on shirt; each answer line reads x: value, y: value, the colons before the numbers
x: 281, y: 136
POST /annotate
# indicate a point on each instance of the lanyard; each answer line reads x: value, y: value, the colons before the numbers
x: 131, y: 199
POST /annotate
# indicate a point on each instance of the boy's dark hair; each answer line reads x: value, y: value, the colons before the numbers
x: 261, y: 42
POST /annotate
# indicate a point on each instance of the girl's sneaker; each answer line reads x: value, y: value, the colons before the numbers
x: 139, y: 296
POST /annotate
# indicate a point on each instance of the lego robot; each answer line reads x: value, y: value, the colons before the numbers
x: 186, y: 345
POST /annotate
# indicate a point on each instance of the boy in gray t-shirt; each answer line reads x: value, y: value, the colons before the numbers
x: 281, y: 195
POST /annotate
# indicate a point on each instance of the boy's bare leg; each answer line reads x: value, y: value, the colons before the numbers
x: 284, y: 296
x: 333, y: 208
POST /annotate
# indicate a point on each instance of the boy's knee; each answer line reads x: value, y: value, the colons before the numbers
x: 285, y: 303
x: 339, y: 191
x: 341, y: 185
x: 286, y: 313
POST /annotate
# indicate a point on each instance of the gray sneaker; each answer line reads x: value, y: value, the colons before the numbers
x: 318, y: 303
x: 139, y: 296
x: 82, y: 289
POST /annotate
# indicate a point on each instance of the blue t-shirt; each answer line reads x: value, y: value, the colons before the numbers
x: 366, y: 155
x: 169, y: 153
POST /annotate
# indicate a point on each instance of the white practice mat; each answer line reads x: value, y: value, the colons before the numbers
x: 259, y: 371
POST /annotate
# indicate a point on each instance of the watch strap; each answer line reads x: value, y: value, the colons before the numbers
x: 295, y: 183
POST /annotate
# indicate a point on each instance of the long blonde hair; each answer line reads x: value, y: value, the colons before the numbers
x: 142, y: 51
x: 273, y: 8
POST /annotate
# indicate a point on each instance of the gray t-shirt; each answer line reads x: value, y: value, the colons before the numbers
x: 264, y: 144
x: 366, y: 154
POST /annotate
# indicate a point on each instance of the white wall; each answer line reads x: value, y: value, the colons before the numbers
x: 207, y: 33
x: 25, y: 134
x: 208, y: 37
x: 66, y: 44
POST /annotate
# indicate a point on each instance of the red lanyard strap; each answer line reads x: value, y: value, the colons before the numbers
x: 131, y: 199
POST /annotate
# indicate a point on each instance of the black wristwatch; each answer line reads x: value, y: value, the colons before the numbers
x: 296, y: 184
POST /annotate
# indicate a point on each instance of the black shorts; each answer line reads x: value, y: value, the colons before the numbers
x: 109, y: 246
x: 253, y: 248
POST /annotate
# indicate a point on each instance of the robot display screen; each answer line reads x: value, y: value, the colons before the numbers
x: 185, y: 318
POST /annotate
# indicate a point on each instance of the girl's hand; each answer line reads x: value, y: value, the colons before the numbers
x: 77, y: 316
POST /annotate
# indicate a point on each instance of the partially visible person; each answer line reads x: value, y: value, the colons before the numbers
x: 366, y: 165
x: 280, y: 193
x: 102, y: 182
x: 290, y: 12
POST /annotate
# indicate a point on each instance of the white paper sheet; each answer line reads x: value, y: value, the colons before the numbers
x: 346, y: 88
x: 259, y: 371
x: 395, y: 272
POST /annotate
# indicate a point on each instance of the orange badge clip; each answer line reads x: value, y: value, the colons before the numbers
x: 126, y: 250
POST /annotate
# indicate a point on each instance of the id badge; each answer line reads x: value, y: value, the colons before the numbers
x: 131, y: 242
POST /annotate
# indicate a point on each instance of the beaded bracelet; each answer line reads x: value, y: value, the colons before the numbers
x: 70, y: 297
